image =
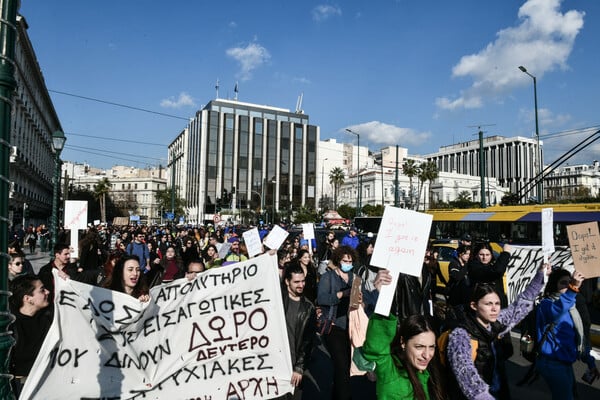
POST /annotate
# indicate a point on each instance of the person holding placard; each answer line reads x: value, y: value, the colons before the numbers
x: 483, y: 376
x: 406, y: 363
x: 561, y: 334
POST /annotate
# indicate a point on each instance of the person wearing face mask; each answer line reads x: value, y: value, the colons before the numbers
x: 561, y: 330
x: 334, y: 291
x: 407, y: 366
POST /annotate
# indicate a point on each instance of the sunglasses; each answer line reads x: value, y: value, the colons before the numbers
x: 18, y: 263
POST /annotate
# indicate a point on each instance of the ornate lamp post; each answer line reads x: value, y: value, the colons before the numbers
x: 58, y: 143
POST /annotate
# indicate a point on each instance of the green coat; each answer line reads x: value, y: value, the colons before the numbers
x: 392, y: 382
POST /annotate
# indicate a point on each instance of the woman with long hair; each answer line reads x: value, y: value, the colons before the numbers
x: 486, y: 325
x: 484, y: 268
x: 304, y: 260
x: 127, y: 278
x: 211, y: 256
x: 561, y: 332
x: 407, y: 365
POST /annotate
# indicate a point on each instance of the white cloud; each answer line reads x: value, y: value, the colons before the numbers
x: 541, y: 42
x: 250, y: 57
x: 545, y: 117
x: 323, y: 12
x: 183, y: 100
x: 301, y: 79
x: 232, y: 24
x: 377, y: 132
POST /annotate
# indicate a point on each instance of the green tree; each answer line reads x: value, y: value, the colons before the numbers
x: 101, y: 189
x: 510, y: 199
x: 410, y: 169
x: 428, y: 173
x: 463, y: 200
x: 336, y: 178
x: 163, y: 198
x: 346, y: 211
x: 373, y: 211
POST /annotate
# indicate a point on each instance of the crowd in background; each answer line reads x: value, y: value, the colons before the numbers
x: 397, y: 356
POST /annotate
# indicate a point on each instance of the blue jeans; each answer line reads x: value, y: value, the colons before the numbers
x: 559, y: 376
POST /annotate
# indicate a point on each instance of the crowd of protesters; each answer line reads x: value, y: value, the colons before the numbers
x: 400, y: 351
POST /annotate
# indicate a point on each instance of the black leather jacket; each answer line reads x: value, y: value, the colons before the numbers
x: 305, y: 327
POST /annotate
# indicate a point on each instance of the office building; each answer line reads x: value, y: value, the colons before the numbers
x: 240, y: 158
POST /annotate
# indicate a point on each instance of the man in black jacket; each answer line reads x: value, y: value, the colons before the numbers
x: 62, y: 255
x: 301, y: 324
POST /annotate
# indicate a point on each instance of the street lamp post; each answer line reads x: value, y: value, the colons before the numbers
x: 540, y: 185
x: 322, y: 181
x: 357, y: 169
x: 58, y: 142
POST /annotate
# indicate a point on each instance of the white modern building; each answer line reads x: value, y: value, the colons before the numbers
x: 243, y: 156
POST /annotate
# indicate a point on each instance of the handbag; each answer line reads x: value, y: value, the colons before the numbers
x: 325, y: 320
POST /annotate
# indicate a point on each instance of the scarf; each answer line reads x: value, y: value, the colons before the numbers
x: 577, y: 323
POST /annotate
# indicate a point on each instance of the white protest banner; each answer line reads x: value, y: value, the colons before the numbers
x: 308, y: 231
x: 401, y: 243
x: 75, y: 219
x: 547, y: 231
x: 252, y: 241
x: 221, y: 336
x: 584, y: 241
x: 276, y: 237
x: 525, y: 262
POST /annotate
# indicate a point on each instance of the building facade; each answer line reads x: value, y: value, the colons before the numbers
x: 34, y: 119
x: 240, y: 156
x: 131, y: 189
x: 512, y: 161
x: 572, y: 181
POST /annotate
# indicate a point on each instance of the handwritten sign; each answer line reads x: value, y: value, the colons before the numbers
x: 548, y: 231
x: 525, y: 262
x: 221, y: 336
x: 276, y: 237
x: 400, y: 248
x: 252, y: 241
x: 584, y: 241
x: 76, y: 214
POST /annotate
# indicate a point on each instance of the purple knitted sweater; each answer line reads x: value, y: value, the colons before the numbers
x: 459, y: 345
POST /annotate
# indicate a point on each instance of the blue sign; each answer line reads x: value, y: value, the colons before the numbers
x: 170, y: 216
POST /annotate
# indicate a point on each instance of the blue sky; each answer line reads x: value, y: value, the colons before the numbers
x: 421, y: 74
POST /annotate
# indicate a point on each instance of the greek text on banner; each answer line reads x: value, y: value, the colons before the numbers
x: 220, y: 336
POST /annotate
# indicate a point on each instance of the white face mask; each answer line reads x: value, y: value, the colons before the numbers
x: 346, y: 267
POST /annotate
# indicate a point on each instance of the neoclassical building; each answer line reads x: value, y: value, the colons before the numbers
x: 34, y: 119
x: 243, y: 156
